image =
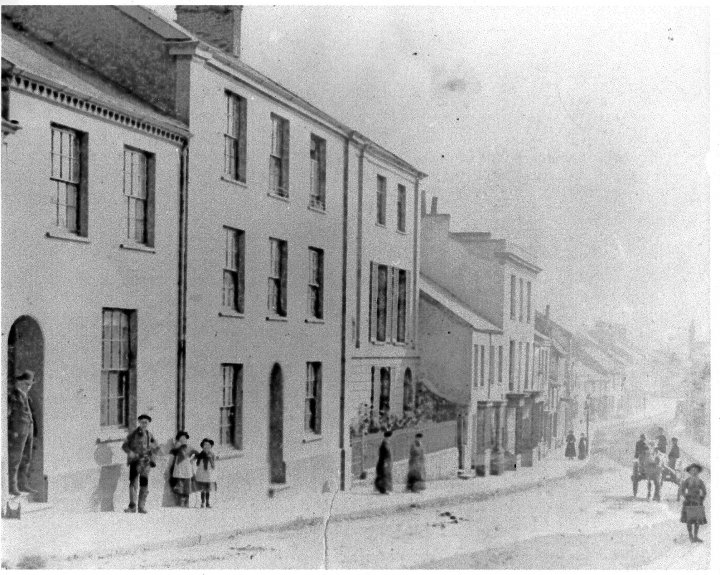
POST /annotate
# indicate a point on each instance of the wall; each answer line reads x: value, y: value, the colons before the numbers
x: 65, y: 285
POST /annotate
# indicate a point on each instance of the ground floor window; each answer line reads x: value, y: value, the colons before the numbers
x: 231, y: 406
x: 384, y: 403
x: 313, y: 388
x: 117, y: 386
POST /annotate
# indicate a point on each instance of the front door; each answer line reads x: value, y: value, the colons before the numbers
x: 275, y: 430
x: 26, y: 350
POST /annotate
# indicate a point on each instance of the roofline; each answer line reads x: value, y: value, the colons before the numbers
x: 216, y: 56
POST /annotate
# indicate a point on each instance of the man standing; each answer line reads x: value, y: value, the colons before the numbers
x: 21, y: 431
x: 140, y: 446
x: 641, y: 447
x: 662, y: 441
x: 674, y: 454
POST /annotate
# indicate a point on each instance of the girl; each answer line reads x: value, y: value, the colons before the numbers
x: 205, y: 475
x: 693, y: 510
x: 570, y: 452
x: 182, y: 472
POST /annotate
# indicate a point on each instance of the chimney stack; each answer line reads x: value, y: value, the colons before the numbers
x: 423, y: 204
x: 219, y: 26
x: 433, y: 206
x: 547, y: 311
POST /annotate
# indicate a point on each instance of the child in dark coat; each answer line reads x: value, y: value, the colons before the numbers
x: 205, y: 474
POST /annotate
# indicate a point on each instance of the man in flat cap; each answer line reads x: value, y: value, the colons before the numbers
x: 21, y: 430
x: 140, y: 446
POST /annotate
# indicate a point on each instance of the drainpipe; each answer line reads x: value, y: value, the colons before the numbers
x: 416, y: 272
x: 343, y: 312
x: 358, y: 239
x: 182, y: 287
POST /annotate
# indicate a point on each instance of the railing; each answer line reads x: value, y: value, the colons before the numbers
x: 436, y: 437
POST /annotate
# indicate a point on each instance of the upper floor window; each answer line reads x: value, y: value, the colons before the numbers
x: 511, y: 364
x: 118, y: 375
x: 401, y: 295
x: 235, y: 137
x: 317, y: 172
x: 313, y: 389
x: 491, y: 368
x: 500, y: 364
x: 280, y: 156
x: 277, y: 281
x: 522, y: 299
x: 401, y: 210
x: 233, y: 292
x: 476, y: 365
x: 68, y: 154
x: 139, y: 189
x: 315, y: 283
x: 378, y: 301
x: 512, y: 297
x: 381, y: 199
x: 529, y: 305
x: 231, y: 406
x: 482, y: 366
x: 384, y: 402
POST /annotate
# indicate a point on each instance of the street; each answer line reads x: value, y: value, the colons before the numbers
x: 587, y: 520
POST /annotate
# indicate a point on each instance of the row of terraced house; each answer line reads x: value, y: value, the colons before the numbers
x: 182, y: 236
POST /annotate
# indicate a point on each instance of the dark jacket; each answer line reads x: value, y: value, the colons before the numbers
x: 206, y: 459
x: 140, y: 445
x: 19, y: 408
x: 641, y: 447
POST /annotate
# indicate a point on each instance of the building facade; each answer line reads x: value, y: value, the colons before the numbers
x: 91, y: 193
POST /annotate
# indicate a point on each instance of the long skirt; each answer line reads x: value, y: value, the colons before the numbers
x: 693, y: 514
x: 570, y: 450
x: 181, y: 485
x: 383, y: 479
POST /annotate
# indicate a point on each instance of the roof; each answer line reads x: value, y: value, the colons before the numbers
x: 456, y: 307
x: 172, y: 31
x: 588, y: 361
x: 37, y: 61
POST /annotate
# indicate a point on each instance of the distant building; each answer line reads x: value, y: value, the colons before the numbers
x: 496, y: 280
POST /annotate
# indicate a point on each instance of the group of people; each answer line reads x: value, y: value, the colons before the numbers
x: 190, y: 470
x: 416, y: 475
x: 692, y: 488
x: 582, y: 447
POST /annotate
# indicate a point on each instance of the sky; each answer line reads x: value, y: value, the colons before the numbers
x: 580, y: 133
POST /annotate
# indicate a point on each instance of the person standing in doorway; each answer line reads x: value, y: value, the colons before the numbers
x: 141, y: 447
x: 570, y: 452
x: 693, y: 510
x: 21, y: 427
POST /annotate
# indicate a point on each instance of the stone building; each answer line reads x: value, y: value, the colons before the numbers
x: 91, y: 201
x: 498, y: 280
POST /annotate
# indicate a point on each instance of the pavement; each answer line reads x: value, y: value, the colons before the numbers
x: 46, y: 534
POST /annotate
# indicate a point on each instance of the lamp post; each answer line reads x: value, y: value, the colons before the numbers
x: 587, y: 422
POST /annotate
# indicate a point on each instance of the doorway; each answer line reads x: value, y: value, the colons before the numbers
x: 26, y: 351
x: 275, y: 430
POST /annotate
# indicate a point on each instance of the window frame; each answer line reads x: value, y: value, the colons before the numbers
x: 279, y: 156
x: 235, y: 426
x: 385, y: 390
x: 319, y: 146
x: 401, y: 295
x: 148, y: 202
x: 381, y: 201
x: 125, y: 415
x: 235, y: 135
x: 234, y: 269
x: 316, y: 283
x: 513, y: 289
x: 277, y: 280
x: 401, y: 208
x: 76, y: 180
x: 313, y: 398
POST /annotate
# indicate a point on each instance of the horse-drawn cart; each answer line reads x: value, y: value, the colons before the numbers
x: 644, y: 469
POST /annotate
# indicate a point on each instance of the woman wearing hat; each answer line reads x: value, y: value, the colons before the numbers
x: 416, y: 466
x: 383, y: 469
x: 693, y: 511
x: 181, y: 473
x: 205, y: 474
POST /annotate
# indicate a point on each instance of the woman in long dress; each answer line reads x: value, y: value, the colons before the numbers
x: 570, y: 452
x: 383, y: 469
x: 582, y: 447
x: 416, y: 466
x: 693, y: 509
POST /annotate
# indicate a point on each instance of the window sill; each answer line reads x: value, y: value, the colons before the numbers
x: 312, y: 438
x: 61, y: 235
x: 314, y: 320
x: 276, y: 318
x: 138, y: 248
x: 378, y: 342
x: 229, y: 453
x: 279, y: 197
x: 111, y: 435
x: 379, y: 225
x: 237, y: 183
x: 317, y: 209
x: 402, y: 232
x: 230, y: 313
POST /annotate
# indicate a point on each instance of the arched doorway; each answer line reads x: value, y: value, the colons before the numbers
x: 275, y: 427
x: 26, y: 350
